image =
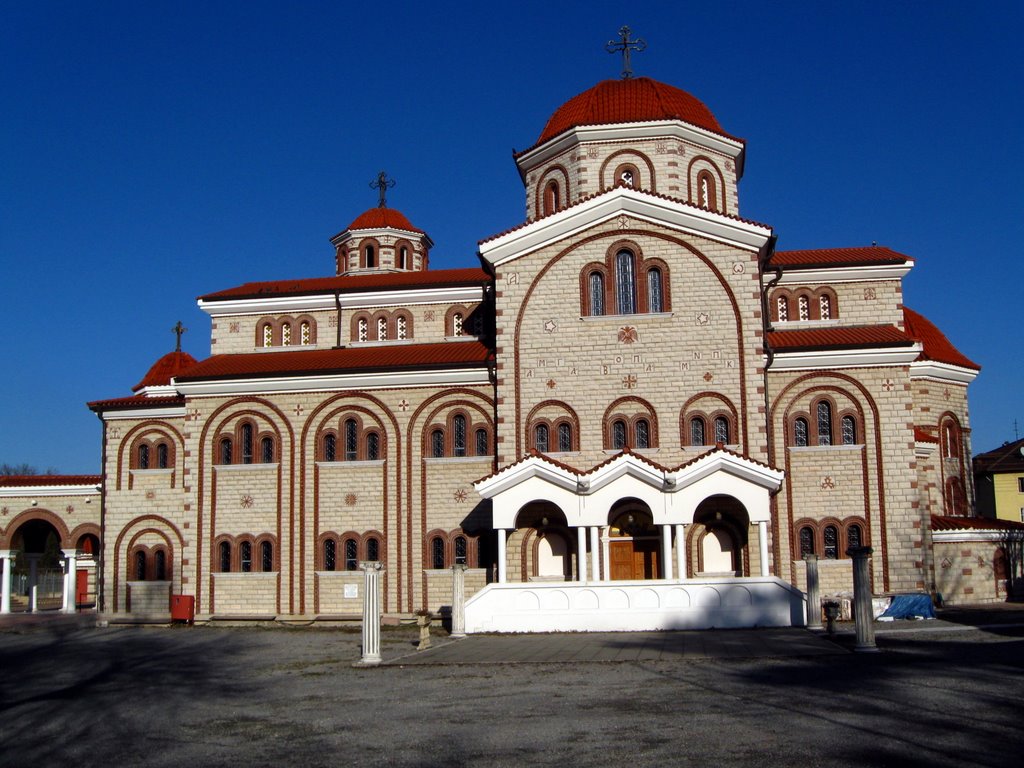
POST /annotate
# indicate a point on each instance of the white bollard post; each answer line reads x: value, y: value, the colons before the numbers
x: 813, y: 596
x: 70, y: 579
x: 458, y: 601
x: 7, y: 555
x: 33, y: 583
x: 371, y: 612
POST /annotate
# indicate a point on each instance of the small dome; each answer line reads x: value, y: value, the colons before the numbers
x: 165, y: 369
x: 631, y: 100
x: 379, y: 218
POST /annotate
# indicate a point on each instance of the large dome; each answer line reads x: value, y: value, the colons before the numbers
x: 166, y: 368
x: 629, y: 100
x: 379, y: 218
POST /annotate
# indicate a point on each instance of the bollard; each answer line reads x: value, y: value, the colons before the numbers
x: 458, y: 601
x: 813, y: 598
x: 863, y: 615
x: 371, y: 613
x: 8, y: 556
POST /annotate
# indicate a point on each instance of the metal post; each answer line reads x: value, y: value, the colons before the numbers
x: 863, y: 616
x: 371, y: 612
x: 813, y: 593
x: 458, y: 601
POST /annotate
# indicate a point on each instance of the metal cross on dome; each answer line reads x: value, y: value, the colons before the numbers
x: 625, y: 46
x: 382, y: 185
x: 177, y: 330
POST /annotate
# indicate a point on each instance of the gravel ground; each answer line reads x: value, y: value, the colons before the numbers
x: 938, y: 693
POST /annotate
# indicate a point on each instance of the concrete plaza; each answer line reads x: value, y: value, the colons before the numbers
x: 939, y: 693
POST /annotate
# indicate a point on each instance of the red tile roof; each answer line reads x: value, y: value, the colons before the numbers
x: 835, y: 257
x: 15, y: 481
x: 838, y: 338
x: 936, y: 346
x: 303, y: 362
x: 633, y: 100
x: 1006, y: 458
x: 380, y: 218
x: 945, y: 523
x: 166, y: 368
x: 442, y: 278
x: 921, y: 436
x: 138, y: 401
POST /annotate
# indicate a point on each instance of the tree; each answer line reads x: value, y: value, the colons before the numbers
x: 7, y: 470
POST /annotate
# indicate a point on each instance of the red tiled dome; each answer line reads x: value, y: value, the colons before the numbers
x: 631, y: 100
x: 378, y: 218
x: 165, y: 369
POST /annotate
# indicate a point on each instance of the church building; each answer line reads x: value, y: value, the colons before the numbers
x: 631, y: 412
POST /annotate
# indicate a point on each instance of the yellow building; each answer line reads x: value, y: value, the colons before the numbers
x: 999, y: 482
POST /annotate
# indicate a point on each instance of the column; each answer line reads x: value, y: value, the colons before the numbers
x: 762, y: 544
x: 502, y: 546
x: 681, y: 550
x: 70, y: 577
x: 458, y: 601
x: 666, y: 550
x: 371, y: 612
x: 7, y: 555
x: 606, y: 552
x: 33, y: 582
x: 581, y: 555
x: 595, y: 561
x: 863, y: 615
x: 813, y: 594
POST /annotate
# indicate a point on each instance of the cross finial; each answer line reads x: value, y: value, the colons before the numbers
x: 382, y: 184
x: 625, y: 46
x: 177, y: 330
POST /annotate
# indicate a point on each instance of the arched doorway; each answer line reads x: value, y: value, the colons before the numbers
x: 38, y: 566
x: 540, y: 548
x: 632, y: 542
x: 720, y: 533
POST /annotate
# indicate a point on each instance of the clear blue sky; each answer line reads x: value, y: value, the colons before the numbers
x: 151, y: 152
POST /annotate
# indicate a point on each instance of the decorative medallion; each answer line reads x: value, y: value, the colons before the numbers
x: 946, y: 563
x: 709, y: 376
x: 888, y: 385
x: 114, y: 432
x: 946, y: 393
x: 623, y: 222
x: 592, y: 151
x: 869, y: 294
x: 628, y: 334
x: 428, y: 316
x: 661, y: 147
x: 332, y: 321
x: 827, y: 483
x: 629, y: 382
x: 461, y: 496
x: 4, y: 511
x: 299, y: 409
x: 234, y: 327
x: 512, y: 278
x: 150, y: 495
x: 739, y: 268
x: 350, y: 499
x: 193, y: 414
x: 552, y: 383
x: 70, y: 509
x: 403, y: 405
x: 728, y: 165
x: 550, y: 326
x: 247, y: 501
x: 703, y: 318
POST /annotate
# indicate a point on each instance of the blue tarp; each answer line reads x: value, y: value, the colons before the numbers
x: 909, y: 607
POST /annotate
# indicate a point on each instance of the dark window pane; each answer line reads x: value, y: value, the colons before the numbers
x: 267, y: 450
x: 540, y: 437
x: 437, y: 443
x: 247, y: 443
x: 625, y: 283
x: 373, y: 549
x: 266, y: 556
x: 596, y: 293
x: 351, y: 440
x: 160, y: 565
x: 806, y: 541
x: 853, y: 536
x: 824, y: 423
x: 330, y: 447
x: 849, y: 431
x: 481, y: 443
x: 697, y: 431
x: 225, y: 451
x: 373, y: 446
x: 831, y: 536
x: 721, y: 430
x: 564, y: 438
x: 619, y: 434
x: 654, y: 291
x: 140, y: 566
x: 460, y: 550
x: 162, y: 454
x: 225, y: 557
x: 351, y: 555
x: 330, y: 555
x: 459, y: 427
x: 800, y: 432
x: 643, y: 434
x: 143, y: 457
x: 437, y: 553
x: 245, y: 556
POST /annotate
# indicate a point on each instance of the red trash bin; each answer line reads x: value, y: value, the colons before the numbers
x: 183, y: 608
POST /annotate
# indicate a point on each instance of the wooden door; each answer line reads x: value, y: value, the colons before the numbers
x: 81, y: 587
x: 633, y: 560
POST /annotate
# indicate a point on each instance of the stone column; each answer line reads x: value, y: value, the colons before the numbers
x: 458, y: 601
x: 581, y: 555
x: 863, y: 615
x: 595, y: 561
x: 666, y: 550
x: 33, y: 582
x: 371, y: 612
x: 7, y: 555
x: 502, y: 555
x: 70, y: 577
x: 762, y: 543
x: 681, y: 550
x: 606, y: 552
x: 813, y: 593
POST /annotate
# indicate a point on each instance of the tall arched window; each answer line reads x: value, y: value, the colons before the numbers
x: 706, y: 193
x: 457, y: 324
x: 618, y: 434
x: 373, y: 549
x: 162, y: 456
x: 330, y: 447
x: 721, y: 430
x: 225, y: 450
x: 849, y: 428
x: 806, y: 541
x: 351, y: 555
x: 596, y: 282
x: 373, y: 446
x: 459, y: 435
x: 382, y: 329
x: 351, y: 440
x: 830, y: 534
x: 160, y: 565
x: 268, y: 335
x: 854, y: 536
x: 267, y: 450
x: 401, y: 328
x: 551, y: 198
x: 800, y: 432
x: 642, y: 433
x: 437, y: 443
x: 824, y: 423
x: 363, y: 329
x: 403, y: 258
x: 247, y: 443
x: 140, y: 565
x: 655, y: 296
x: 144, y: 456
x: 305, y: 334
x: 564, y: 437
x: 782, y: 308
x: 245, y: 556
x: 803, y: 305
x: 825, y: 307
x: 266, y: 556
x: 225, y: 557
x: 370, y: 257
x: 697, y: 436
x: 625, y: 283
x: 460, y: 548
x: 540, y: 437
x: 286, y: 335
x: 330, y: 555
x: 481, y: 443
x: 437, y: 553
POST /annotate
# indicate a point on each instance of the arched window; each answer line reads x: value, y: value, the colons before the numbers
x: 401, y: 328
x: 551, y: 198
x: 706, y: 192
x: 266, y: 556
x: 825, y: 307
x: 824, y: 423
x: 854, y: 536
x: 247, y: 443
x: 286, y: 334
x: 618, y: 434
x: 140, y: 565
x: 950, y: 440
x: 305, y: 334
x: 782, y: 308
x: 849, y: 428
x: 721, y: 430
x: 457, y: 324
x: 373, y: 446
x: 642, y: 433
x: 225, y: 450
x: 564, y: 437
x: 625, y: 283
x: 403, y: 258
x: 370, y: 257
x: 830, y: 534
x: 160, y: 565
x: 437, y: 443
x: 351, y: 440
x: 330, y: 447
x: 596, y: 282
x: 268, y: 335
x: 806, y: 541
x: 162, y: 456
x: 800, y: 432
x: 459, y: 435
x: 697, y: 436
x: 144, y: 456
x: 460, y: 550
x: 363, y: 329
x: 540, y: 437
x: 373, y: 549
x: 803, y: 305
x: 481, y: 443
x: 245, y: 556
x: 225, y: 557
x: 267, y: 450
x: 330, y: 555
x: 437, y: 553
x: 382, y: 329
x: 955, y: 503
x: 351, y: 555
x: 655, y: 296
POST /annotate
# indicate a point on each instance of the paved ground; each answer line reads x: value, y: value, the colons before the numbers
x: 938, y: 693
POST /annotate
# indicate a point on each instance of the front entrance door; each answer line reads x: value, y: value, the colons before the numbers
x: 633, y: 559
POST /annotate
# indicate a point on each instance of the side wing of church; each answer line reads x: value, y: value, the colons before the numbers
x: 634, y: 412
